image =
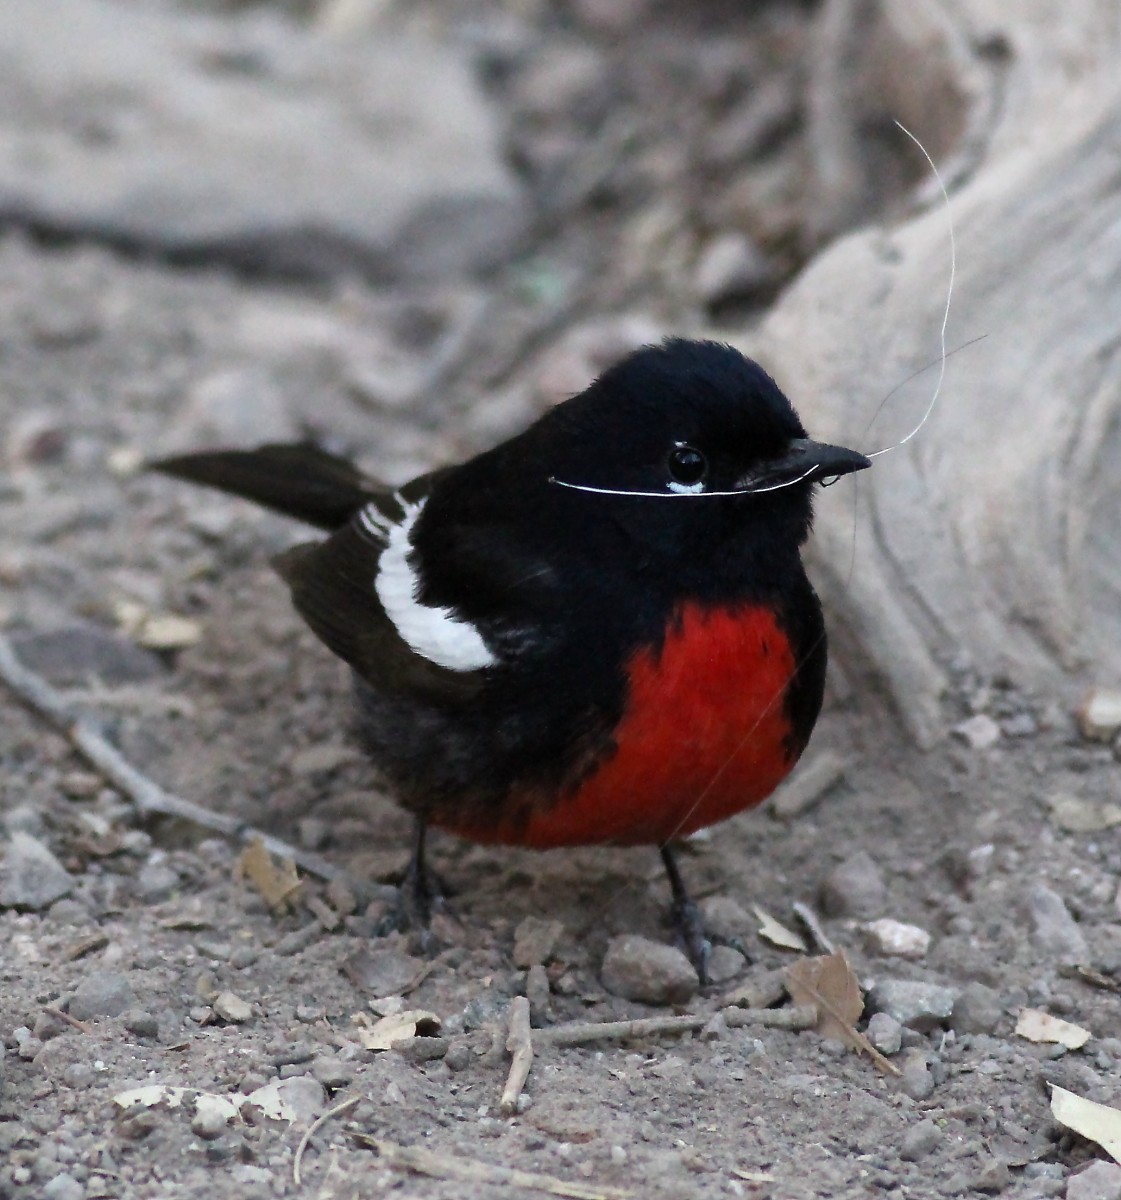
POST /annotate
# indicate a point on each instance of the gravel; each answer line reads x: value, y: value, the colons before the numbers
x: 639, y: 969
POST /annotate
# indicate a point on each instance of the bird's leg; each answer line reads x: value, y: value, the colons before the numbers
x: 421, y: 893
x: 687, y: 917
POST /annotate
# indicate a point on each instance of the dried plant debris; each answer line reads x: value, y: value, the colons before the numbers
x: 397, y: 1029
x: 296, y: 1099
x: 1098, y: 1122
x: 830, y: 984
x: 773, y: 931
x: 277, y: 880
x: 1039, y: 1026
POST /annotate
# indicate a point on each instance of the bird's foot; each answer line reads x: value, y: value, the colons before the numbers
x: 687, y: 919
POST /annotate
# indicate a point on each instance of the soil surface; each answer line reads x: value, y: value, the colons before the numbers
x: 140, y: 951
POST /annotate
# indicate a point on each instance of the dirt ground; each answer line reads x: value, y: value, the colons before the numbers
x: 136, y: 953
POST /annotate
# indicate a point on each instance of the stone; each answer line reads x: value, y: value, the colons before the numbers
x: 854, y: 888
x: 1099, y: 1181
x: 181, y: 137
x: 331, y: 1071
x: 652, y: 973
x: 141, y: 1023
x: 726, y: 918
x: 381, y: 970
x: 156, y: 880
x: 976, y: 1010
x: 978, y: 732
x: 725, y: 963
x: 885, y: 1033
x: 30, y: 875
x: 534, y: 940
x: 895, y: 939
x: 919, y: 1140
x: 63, y: 1187
x: 993, y: 1177
x: 916, y: 1004
x: 916, y: 1080
x: 1099, y: 715
x: 102, y: 994
x: 232, y: 1008
x: 72, y: 656
x: 732, y: 267
x: 1054, y: 930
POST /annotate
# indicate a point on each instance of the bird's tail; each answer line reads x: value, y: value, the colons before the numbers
x: 298, y: 480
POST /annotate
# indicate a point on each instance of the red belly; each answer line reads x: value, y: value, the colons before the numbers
x: 704, y: 735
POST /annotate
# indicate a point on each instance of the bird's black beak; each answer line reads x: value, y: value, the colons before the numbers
x: 804, y: 460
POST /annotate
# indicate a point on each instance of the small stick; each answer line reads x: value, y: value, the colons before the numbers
x: 147, y: 796
x: 520, y: 1045
x: 799, y: 1017
x: 809, y: 918
x: 470, y: 1170
x: 80, y: 1026
x: 314, y: 1128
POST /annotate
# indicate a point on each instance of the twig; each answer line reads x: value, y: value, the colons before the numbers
x: 149, y: 798
x: 73, y: 1022
x: 520, y: 1045
x: 314, y: 1128
x: 798, y: 1017
x: 470, y: 1170
x: 1091, y: 977
x: 808, y: 917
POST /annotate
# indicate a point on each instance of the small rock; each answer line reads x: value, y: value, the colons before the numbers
x: 919, y: 1141
x: 725, y: 964
x: 534, y: 940
x: 381, y: 970
x: 1099, y: 1181
x: 283, y: 1053
x: 855, y: 888
x: 102, y: 994
x: 323, y: 759
x: 885, y: 1033
x: 24, y: 818
x: 538, y: 992
x: 976, y: 1010
x: 1022, y: 725
x: 155, y: 881
x: 916, y: 1004
x: 650, y: 972
x: 732, y: 267
x: 813, y: 780
x: 726, y: 918
x: 916, y: 1080
x: 230, y: 1007
x: 208, y: 1123
x: 31, y: 876
x: 332, y: 1072
x: 978, y: 733
x: 140, y: 1023
x: 1099, y: 715
x: 994, y: 1176
x: 71, y: 656
x: 458, y: 1055
x: 1054, y: 930
x: 896, y: 939
x: 64, y: 1187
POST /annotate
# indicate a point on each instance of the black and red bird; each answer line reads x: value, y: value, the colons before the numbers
x: 599, y: 631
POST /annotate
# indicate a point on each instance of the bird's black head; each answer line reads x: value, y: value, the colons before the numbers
x: 694, y: 448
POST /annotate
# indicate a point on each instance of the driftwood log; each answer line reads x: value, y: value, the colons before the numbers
x: 993, y: 538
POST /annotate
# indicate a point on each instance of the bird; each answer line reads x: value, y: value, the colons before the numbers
x: 599, y: 631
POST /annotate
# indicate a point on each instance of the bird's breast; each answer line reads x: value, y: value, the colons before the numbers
x: 704, y: 733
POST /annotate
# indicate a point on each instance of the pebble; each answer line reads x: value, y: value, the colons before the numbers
x: 916, y: 1080
x: 230, y: 1007
x: 155, y: 881
x: 725, y: 964
x: 381, y: 970
x: 458, y: 1055
x: 31, y: 876
x: 726, y: 918
x: 1099, y: 1181
x: 72, y: 655
x: 1099, y: 715
x: 731, y: 266
x: 994, y: 1176
x: 919, y: 1141
x: 208, y: 1123
x: 539, y: 994
x: 331, y: 1072
x: 897, y: 939
x: 64, y: 1187
x: 977, y: 1010
x: 102, y: 994
x: 854, y: 888
x: 978, y: 733
x: 650, y: 972
x: 282, y: 1053
x: 885, y: 1033
x: 141, y: 1023
x: 1054, y: 930
x: 534, y: 940
x: 914, y: 1003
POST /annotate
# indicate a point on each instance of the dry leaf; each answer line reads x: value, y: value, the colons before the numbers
x: 1098, y: 1122
x: 277, y: 881
x: 1039, y: 1026
x: 828, y: 983
x: 399, y: 1027
x: 155, y: 1094
x: 776, y: 933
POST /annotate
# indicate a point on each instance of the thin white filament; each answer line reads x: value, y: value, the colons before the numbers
x: 750, y: 491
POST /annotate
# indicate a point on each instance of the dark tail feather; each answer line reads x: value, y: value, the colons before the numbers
x: 299, y: 480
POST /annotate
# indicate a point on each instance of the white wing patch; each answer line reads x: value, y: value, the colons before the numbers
x: 437, y: 634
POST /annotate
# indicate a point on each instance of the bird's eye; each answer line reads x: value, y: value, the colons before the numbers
x: 687, y: 465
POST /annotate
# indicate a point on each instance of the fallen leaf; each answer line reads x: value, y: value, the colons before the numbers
x: 291, y: 1100
x: 829, y: 984
x: 1098, y: 1122
x: 155, y: 1094
x: 277, y: 881
x: 400, y: 1027
x: 776, y: 933
x: 1039, y: 1026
